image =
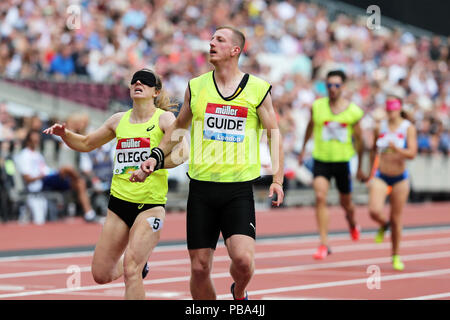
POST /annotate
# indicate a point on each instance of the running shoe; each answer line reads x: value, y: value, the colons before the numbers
x: 145, y: 270
x: 322, y: 252
x: 232, y: 293
x: 355, y: 233
x: 397, y: 264
x: 379, y: 237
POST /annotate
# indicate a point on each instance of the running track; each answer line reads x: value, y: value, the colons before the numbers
x: 53, y: 261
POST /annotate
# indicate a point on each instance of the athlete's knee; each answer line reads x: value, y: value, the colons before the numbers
x: 395, y: 220
x: 200, y: 268
x: 100, y: 276
x: 321, y: 198
x: 131, y: 266
x: 243, y: 263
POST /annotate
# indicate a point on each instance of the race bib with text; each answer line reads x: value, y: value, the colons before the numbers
x: 334, y: 131
x: 384, y: 139
x: 225, y: 122
x: 130, y: 153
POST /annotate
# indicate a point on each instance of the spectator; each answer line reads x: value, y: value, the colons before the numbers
x: 39, y: 177
x: 291, y: 44
x: 423, y: 138
x: 97, y: 167
x: 444, y: 142
x: 63, y: 63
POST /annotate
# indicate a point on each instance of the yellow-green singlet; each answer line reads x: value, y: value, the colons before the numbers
x: 333, y: 132
x: 134, y: 144
x: 225, y: 131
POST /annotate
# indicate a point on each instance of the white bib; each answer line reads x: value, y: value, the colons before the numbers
x: 334, y: 131
x: 397, y: 137
x: 130, y: 153
x: 225, y: 123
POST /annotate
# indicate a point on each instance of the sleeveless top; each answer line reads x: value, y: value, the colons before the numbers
x: 398, y: 137
x: 333, y: 132
x: 134, y: 142
x: 225, y: 131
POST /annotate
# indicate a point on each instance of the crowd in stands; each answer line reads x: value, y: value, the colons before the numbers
x: 291, y: 44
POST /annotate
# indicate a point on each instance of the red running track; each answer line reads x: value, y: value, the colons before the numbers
x: 284, y: 265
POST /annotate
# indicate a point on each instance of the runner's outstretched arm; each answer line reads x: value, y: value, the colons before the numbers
x: 86, y: 143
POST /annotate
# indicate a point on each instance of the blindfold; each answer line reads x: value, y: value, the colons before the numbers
x: 144, y: 77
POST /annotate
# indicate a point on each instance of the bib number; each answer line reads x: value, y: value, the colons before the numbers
x: 225, y: 122
x: 334, y: 131
x: 385, y: 139
x: 155, y: 223
x: 130, y: 153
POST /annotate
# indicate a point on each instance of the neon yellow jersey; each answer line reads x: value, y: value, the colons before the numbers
x: 333, y: 132
x: 134, y: 142
x: 225, y: 132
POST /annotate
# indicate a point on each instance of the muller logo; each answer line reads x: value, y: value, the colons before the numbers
x: 130, y: 143
x: 226, y: 110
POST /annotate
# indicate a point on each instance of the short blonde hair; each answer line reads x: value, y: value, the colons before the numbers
x: 238, y: 36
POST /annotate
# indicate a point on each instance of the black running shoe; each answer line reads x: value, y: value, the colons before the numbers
x: 232, y: 293
x: 145, y: 270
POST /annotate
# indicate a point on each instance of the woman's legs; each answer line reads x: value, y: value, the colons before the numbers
x: 377, y: 198
x: 399, y: 196
x: 106, y: 264
x: 144, y: 236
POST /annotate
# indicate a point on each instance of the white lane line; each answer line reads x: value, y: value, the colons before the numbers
x: 40, y: 273
x: 329, y: 284
x: 64, y: 255
x: 261, y: 255
x: 369, y: 235
x: 425, y: 256
x: 431, y: 296
x: 6, y: 287
x: 121, y: 292
x: 268, y: 241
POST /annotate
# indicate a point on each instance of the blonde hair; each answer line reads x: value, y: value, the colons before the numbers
x: 162, y: 101
x: 238, y: 36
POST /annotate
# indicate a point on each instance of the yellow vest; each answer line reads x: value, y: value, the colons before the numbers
x: 225, y: 132
x: 333, y: 132
x: 134, y: 142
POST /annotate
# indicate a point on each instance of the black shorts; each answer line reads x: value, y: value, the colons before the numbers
x: 219, y: 207
x: 339, y: 170
x: 128, y: 211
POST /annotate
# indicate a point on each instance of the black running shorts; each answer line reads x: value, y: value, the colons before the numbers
x: 128, y: 211
x: 339, y: 170
x: 219, y: 207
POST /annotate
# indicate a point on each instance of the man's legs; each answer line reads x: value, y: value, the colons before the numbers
x: 201, y: 285
x: 342, y: 174
x: 241, y: 249
x: 349, y: 208
x: 321, y: 185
